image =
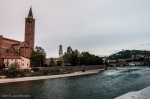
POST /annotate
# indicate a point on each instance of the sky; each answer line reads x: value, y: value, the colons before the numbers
x: 101, y: 27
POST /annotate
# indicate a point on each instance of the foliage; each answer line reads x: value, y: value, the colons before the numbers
x: 89, y: 59
x: 52, y: 62
x: 22, y: 73
x: 59, y: 63
x: 2, y: 67
x: 35, y: 69
x: 14, y: 70
x: 74, y: 58
x: 25, y: 72
x: 71, y: 57
x: 124, y: 54
x: 38, y: 57
x: 45, y: 65
x: 66, y: 58
x: 40, y: 50
x: 45, y: 72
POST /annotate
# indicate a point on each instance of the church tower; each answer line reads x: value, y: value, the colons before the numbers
x: 30, y: 29
x: 60, y: 51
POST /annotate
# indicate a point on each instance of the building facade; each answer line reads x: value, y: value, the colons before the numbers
x: 23, y: 62
x: 16, y: 49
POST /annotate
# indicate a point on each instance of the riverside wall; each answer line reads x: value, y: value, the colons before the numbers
x: 72, y: 68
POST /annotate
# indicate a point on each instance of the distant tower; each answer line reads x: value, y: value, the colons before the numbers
x: 30, y: 29
x: 69, y: 50
x: 60, y: 51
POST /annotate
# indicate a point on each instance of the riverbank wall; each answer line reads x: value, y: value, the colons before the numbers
x: 72, y: 68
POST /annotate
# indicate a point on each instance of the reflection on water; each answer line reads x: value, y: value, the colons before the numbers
x: 104, y: 85
x: 111, y: 72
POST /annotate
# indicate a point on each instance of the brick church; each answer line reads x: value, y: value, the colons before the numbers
x: 11, y: 49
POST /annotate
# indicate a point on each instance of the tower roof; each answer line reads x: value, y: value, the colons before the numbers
x: 30, y: 13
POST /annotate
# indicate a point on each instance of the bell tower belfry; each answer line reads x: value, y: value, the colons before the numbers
x: 30, y: 29
x: 60, y: 51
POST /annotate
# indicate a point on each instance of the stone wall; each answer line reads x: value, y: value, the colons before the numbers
x: 72, y: 68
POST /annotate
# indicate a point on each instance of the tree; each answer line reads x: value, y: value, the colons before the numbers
x: 85, y: 58
x: 52, y: 62
x: 66, y: 58
x: 59, y: 63
x: 71, y: 57
x: 38, y: 57
x: 74, y: 58
x: 14, y: 70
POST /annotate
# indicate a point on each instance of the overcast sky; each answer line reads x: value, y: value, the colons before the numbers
x: 101, y: 27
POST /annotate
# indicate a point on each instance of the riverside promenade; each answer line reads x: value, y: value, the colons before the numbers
x: 8, y: 80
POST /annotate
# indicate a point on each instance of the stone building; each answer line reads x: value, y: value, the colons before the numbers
x: 10, y: 48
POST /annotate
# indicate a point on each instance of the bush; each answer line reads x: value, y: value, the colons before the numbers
x: 22, y: 73
x: 45, y: 65
x: 83, y: 70
x: 45, y: 72
x: 14, y: 70
x: 59, y: 63
x: 35, y: 69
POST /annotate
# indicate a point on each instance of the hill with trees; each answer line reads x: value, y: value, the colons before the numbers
x: 124, y: 54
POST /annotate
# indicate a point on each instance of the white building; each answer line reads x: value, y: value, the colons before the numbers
x: 22, y: 61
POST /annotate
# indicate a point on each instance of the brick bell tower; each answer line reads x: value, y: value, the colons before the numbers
x: 30, y: 29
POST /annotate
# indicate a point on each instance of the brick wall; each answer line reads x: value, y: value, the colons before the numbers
x: 1, y: 38
x: 6, y: 42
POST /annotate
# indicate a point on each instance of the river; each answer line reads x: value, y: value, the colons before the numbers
x: 108, y: 84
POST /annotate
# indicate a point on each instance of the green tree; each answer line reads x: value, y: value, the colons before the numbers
x: 89, y: 59
x: 14, y: 70
x: 74, y: 58
x: 67, y: 56
x: 38, y: 57
x: 59, y: 63
x: 71, y: 57
x: 52, y: 62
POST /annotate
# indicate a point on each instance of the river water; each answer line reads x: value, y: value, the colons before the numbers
x: 104, y: 85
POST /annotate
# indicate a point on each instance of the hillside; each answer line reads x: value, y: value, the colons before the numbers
x: 129, y: 54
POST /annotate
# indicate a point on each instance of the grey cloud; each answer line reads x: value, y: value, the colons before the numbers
x: 98, y: 26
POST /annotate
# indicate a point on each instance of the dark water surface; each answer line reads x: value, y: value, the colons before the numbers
x: 104, y: 85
